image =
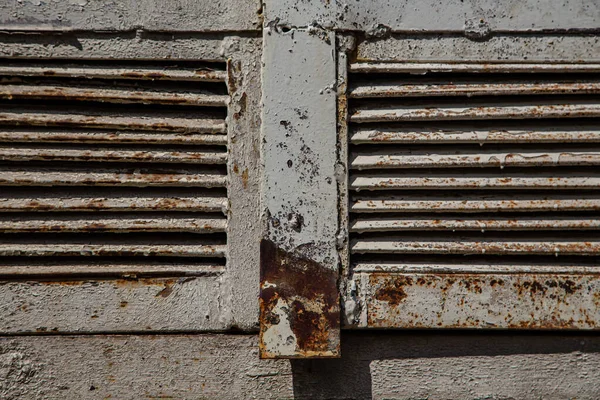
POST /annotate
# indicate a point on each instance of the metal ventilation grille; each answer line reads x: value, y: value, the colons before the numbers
x: 112, y: 167
x: 474, y: 167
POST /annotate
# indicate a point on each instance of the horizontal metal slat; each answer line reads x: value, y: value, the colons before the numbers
x: 423, y: 68
x: 114, y: 71
x: 103, y: 223
x: 475, y: 111
x: 65, y: 93
x: 471, y: 245
x: 147, y: 268
x: 440, y: 134
x: 488, y: 180
x: 9, y: 202
x: 108, y: 137
x: 459, y: 88
x: 475, y: 203
x: 433, y: 223
x: 94, y: 154
x: 48, y: 249
x: 466, y: 157
x: 156, y: 122
x: 475, y: 267
x: 23, y: 176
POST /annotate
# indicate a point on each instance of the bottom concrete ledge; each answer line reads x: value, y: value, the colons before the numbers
x: 381, y: 365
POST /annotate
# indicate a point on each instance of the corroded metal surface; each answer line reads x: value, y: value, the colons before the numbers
x: 470, y: 203
x: 479, y: 67
x: 92, y: 119
x: 513, y: 301
x: 464, y: 157
x: 93, y: 200
x: 57, y: 135
x: 110, y: 95
x: 53, y: 176
x: 299, y: 303
x: 113, y: 248
x: 99, y: 154
x: 475, y: 180
x: 112, y: 223
x: 494, y: 132
x: 300, y: 315
x: 462, y: 87
x: 75, y: 270
x: 112, y: 71
x: 475, y: 244
x: 469, y: 110
x: 435, y: 222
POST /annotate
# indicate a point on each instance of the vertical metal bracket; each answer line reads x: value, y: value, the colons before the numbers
x: 300, y: 312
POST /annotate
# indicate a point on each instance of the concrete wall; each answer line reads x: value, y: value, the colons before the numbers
x: 380, y: 365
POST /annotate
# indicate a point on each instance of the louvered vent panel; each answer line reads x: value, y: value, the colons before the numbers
x: 112, y: 167
x: 466, y: 167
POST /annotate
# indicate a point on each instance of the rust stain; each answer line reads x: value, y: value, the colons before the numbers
x: 528, y: 301
x: 245, y: 178
x: 310, y: 291
x: 392, y: 291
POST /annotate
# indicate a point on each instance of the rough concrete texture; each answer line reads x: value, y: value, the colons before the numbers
x: 473, y: 17
x: 174, y: 15
x: 408, y: 365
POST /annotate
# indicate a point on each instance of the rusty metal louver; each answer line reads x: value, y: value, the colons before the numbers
x: 112, y: 168
x: 474, y: 194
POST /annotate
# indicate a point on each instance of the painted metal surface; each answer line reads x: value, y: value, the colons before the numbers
x: 299, y: 260
x: 531, y: 301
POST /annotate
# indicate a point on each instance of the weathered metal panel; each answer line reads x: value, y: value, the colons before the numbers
x: 299, y: 260
x: 475, y: 19
x: 443, y: 260
x: 179, y: 15
x: 58, y: 251
x: 532, y: 301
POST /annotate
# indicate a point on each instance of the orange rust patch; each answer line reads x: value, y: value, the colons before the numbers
x: 310, y: 292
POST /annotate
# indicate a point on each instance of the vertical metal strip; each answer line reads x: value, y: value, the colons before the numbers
x: 300, y: 314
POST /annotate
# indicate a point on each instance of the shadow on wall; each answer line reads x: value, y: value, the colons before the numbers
x: 454, y: 364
